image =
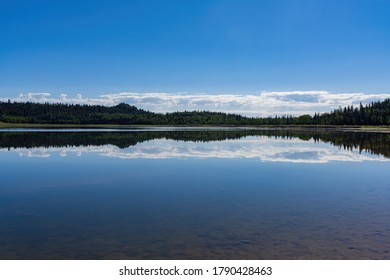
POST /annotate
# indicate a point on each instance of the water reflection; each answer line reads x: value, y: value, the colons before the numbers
x: 194, y: 195
x: 266, y: 146
x: 261, y: 148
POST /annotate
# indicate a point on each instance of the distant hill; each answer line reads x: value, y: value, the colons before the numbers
x: 376, y: 113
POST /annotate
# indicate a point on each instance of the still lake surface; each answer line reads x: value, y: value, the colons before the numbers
x: 171, y: 193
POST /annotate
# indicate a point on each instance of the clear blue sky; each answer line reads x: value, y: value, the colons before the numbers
x: 97, y: 47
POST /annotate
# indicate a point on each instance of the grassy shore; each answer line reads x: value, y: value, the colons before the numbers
x: 383, y: 129
x: 33, y: 125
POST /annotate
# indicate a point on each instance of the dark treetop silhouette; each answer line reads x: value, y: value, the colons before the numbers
x: 376, y: 113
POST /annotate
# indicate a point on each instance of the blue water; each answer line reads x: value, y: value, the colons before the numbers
x: 251, y: 197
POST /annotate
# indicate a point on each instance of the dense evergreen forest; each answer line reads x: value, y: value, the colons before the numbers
x: 376, y: 113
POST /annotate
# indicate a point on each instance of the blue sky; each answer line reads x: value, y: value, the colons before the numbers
x: 92, y: 49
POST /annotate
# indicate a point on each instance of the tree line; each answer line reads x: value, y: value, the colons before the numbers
x: 375, y: 113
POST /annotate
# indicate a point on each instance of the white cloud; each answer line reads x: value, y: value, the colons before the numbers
x: 262, y: 104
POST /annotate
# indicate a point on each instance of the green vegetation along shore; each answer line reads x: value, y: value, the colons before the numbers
x: 14, y: 114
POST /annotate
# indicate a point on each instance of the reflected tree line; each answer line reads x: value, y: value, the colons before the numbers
x: 375, y: 143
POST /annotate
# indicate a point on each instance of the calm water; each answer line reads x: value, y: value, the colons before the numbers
x: 193, y: 194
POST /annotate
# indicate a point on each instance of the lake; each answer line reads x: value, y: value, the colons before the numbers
x: 174, y: 193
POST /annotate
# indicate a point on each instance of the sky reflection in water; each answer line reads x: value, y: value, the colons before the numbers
x: 261, y: 147
x: 212, y: 196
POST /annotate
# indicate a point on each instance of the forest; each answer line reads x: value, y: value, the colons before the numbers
x: 373, y: 114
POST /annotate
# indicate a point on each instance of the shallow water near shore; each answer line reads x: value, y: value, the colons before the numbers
x: 194, y: 194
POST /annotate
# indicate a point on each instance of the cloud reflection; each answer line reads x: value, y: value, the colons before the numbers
x: 263, y: 148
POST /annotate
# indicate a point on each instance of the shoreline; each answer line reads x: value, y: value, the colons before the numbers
x: 341, y: 128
